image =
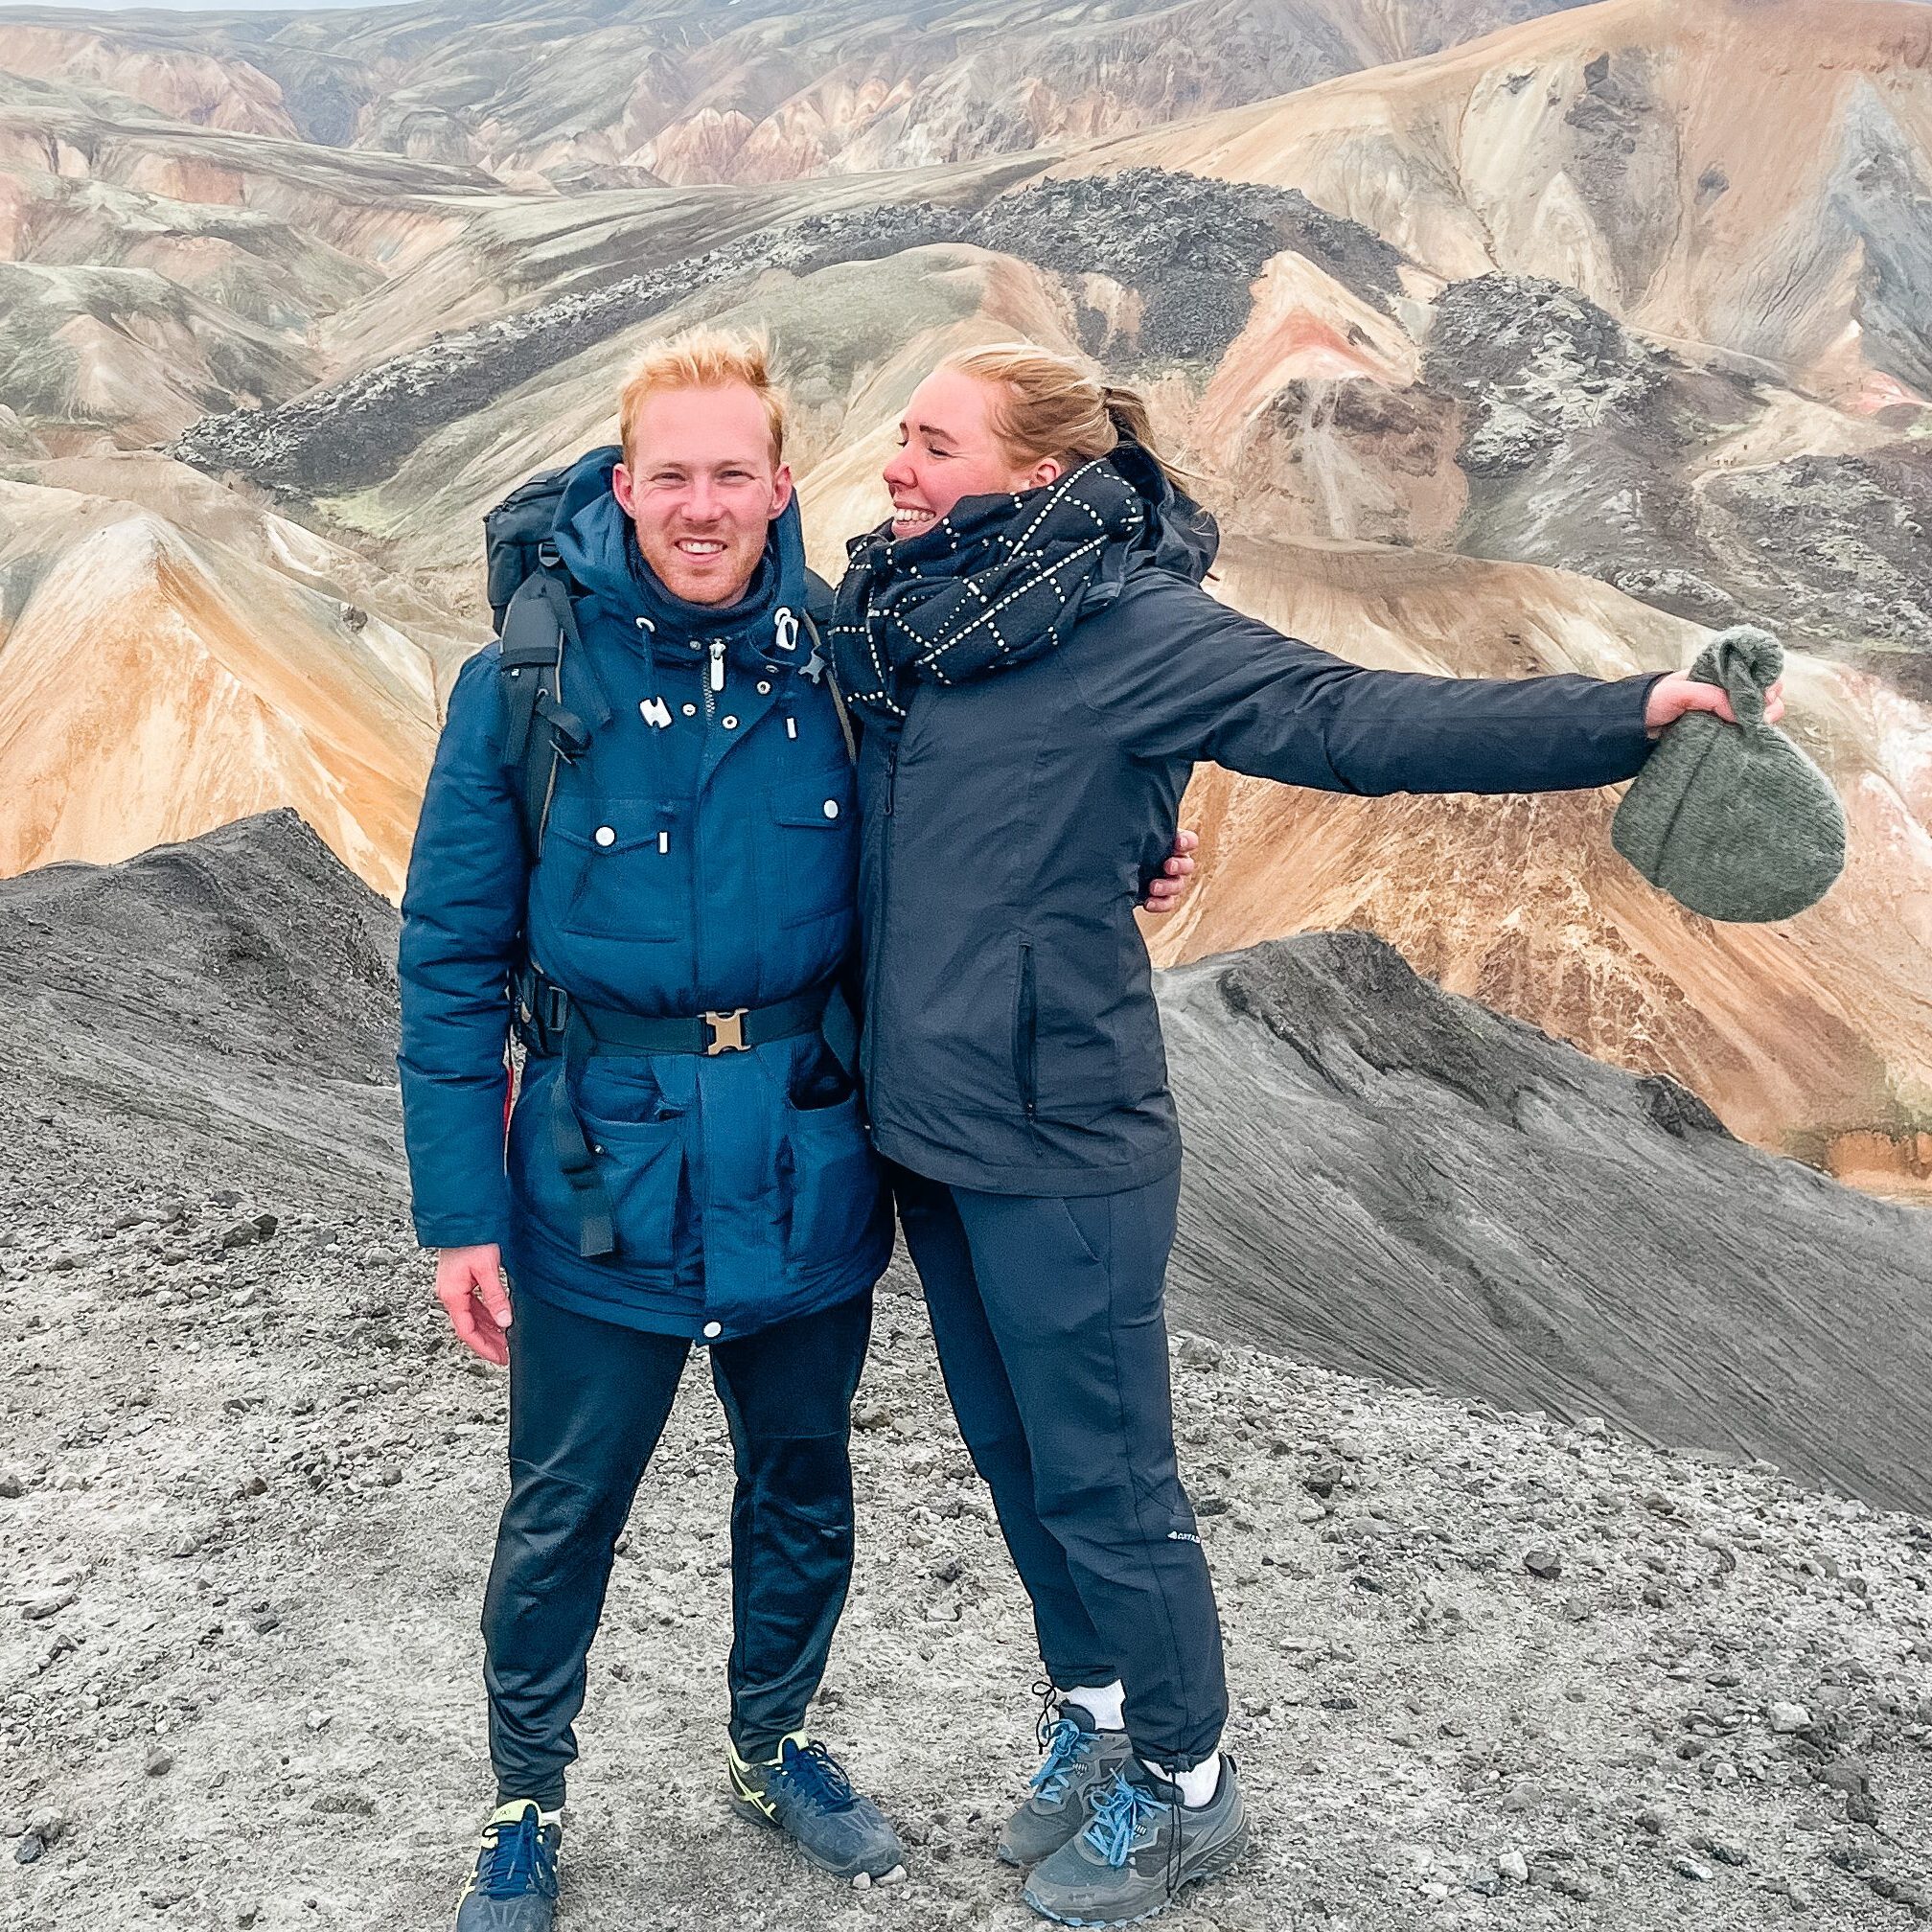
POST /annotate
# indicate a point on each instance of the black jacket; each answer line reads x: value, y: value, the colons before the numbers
x: 1011, y: 1040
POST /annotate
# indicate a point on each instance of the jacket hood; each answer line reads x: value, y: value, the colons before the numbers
x: 599, y: 549
x: 1180, y: 536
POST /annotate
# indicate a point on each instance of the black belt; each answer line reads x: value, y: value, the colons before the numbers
x: 546, y: 1015
x: 549, y: 1021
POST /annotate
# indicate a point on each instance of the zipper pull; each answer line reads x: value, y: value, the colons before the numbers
x: 891, y: 777
x: 717, y: 663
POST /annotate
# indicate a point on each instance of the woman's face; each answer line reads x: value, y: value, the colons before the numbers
x: 948, y: 449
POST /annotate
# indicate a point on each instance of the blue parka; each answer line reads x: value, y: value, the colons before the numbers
x: 704, y: 862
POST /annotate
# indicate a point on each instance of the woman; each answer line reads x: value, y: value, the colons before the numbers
x: 1038, y: 669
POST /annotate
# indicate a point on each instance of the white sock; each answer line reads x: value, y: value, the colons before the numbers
x: 1198, y: 1785
x: 1101, y: 1702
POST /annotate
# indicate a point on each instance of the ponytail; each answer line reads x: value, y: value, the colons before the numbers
x: 1048, y: 406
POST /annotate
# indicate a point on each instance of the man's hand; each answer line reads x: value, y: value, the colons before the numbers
x: 1672, y: 696
x: 1169, y: 890
x: 465, y: 1279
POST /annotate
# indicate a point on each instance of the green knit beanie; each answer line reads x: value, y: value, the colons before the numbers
x: 1734, y: 820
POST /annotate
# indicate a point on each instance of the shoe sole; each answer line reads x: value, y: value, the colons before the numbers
x: 747, y: 1808
x: 1215, y: 1864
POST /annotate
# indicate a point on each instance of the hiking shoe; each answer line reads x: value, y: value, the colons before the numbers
x: 1081, y: 1760
x: 514, y: 1887
x: 804, y: 1794
x: 1140, y: 1848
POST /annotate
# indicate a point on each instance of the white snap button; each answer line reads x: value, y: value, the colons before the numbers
x: 690, y: 710
x: 764, y: 685
x: 731, y: 722
x: 713, y: 1329
x: 831, y: 808
x: 605, y: 836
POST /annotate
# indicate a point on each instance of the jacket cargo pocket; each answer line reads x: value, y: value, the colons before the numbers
x: 835, y: 1191
x: 810, y: 863
x: 640, y: 1161
x: 616, y: 868
x: 642, y: 1167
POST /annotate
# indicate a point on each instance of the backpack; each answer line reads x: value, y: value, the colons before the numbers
x: 531, y: 611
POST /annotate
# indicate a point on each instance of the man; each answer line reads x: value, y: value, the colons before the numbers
x: 686, y: 1161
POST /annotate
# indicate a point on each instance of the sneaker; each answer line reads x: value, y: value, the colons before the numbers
x: 514, y: 1887
x: 1081, y: 1760
x: 1140, y: 1848
x: 804, y: 1793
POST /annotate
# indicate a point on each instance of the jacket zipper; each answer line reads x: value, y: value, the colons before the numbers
x: 1026, y: 1032
x: 868, y: 1058
x: 713, y: 683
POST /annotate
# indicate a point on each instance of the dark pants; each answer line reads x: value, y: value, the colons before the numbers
x: 1047, y: 1317
x: 588, y: 1402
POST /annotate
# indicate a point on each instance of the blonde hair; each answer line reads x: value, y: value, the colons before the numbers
x: 1048, y: 405
x: 703, y: 358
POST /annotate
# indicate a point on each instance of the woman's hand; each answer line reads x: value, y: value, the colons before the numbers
x: 1672, y: 696
x: 1168, y: 890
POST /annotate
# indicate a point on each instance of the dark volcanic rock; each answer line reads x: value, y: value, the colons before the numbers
x: 1190, y: 245
x: 233, y: 996
x: 1579, y: 452
x: 1850, y: 530
x: 1382, y: 1177
x: 1541, y: 364
x: 1390, y: 1179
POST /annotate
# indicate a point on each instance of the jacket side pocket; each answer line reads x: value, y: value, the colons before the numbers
x: 1026, y: 1033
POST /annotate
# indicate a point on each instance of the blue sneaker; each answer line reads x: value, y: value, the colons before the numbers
x: 804, y: 1794
x: 514, y: 1887
x: 1080, y: 1762
x: 1140, y: 1849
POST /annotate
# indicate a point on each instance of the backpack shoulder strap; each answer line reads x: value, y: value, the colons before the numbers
x: 824, y: 663
x: 539, y: 629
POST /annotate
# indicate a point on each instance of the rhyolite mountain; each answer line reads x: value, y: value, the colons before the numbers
x: 1499, y: 338
x: 617, y: 91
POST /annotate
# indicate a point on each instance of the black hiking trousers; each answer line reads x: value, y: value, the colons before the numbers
x: 588, y: 1400
x: 1048, y: 1318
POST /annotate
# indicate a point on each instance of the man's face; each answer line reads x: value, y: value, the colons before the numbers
x: 701, y: 489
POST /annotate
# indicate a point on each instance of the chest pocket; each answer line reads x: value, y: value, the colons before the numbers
x: 618, y: 868
x: 810, y: 860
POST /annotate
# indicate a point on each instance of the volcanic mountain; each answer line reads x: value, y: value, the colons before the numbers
x: 1430, y: 447
x: 619, y: 92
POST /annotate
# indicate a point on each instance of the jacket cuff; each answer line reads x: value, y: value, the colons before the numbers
x: 458, y: 1231
x: 1640, y: 743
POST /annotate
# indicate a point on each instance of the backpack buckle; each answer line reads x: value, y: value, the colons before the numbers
x: 541, y: 1008
x: 727, y: 1032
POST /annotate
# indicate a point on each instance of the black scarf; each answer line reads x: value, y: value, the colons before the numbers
x: 996, y: 582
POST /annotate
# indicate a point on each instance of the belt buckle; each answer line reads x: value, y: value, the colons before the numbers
x: 727, y: 1032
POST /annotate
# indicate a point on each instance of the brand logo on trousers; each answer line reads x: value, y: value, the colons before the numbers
x: 1181, y: 1536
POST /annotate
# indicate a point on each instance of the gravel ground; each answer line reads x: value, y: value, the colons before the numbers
x: 1488, y: 1670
